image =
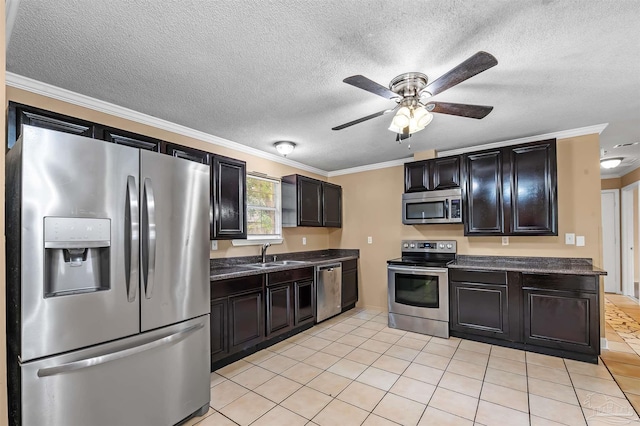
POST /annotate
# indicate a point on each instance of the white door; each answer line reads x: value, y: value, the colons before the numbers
x: 610, y: 241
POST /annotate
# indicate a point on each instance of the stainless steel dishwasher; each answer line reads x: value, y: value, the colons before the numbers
x: 328, y: 291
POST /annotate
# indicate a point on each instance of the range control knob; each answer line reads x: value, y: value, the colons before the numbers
x: 405, y: 245
x: 449, y: 246
x: 441, y: 245
x: 413, y: 245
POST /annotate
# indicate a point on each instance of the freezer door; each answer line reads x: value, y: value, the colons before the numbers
x: 154, y: 378
x: 174, y: 225
x: 79, y: 233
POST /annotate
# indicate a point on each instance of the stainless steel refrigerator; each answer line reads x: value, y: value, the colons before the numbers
x: 107, y: 283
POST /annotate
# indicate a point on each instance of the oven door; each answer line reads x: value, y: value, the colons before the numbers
x: 419, y: 292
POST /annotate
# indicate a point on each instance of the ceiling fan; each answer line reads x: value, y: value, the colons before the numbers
x: 412, y: 90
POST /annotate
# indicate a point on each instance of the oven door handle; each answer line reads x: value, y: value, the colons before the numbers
x: 417, y: 271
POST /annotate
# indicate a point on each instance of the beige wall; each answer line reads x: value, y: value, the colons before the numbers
x: 612, y: 183
x: 3, y: 326
x: 317, y: 238
x: 629, y: 178
x: 372, y: 207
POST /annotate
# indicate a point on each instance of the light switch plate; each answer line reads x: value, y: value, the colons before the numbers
x: 580, y: 241
x: 214, y: 245
x: 369, y: 240
x: 304, y: 241
x: 570, y: 239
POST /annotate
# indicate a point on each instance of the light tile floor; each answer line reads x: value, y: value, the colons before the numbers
x: 354, y: 370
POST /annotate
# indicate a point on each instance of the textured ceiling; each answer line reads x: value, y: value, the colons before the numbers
x: 255, y: 72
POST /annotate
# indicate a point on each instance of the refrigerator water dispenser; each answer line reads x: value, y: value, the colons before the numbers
x: 77, y: 255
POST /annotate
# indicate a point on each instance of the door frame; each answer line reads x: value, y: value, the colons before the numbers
x: 628, y: 257
x: 616, y: 226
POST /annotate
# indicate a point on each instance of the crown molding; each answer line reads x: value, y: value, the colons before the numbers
x: 370, y: 167
x: 48, y: 90
x: 563, y: 134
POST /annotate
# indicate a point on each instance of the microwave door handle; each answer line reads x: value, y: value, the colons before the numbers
x: 446, y: 209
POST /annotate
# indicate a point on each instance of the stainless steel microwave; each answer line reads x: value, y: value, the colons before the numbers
x: 443, y: 206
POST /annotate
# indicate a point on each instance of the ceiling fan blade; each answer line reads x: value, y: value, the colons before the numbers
x: 479, y: 62
x: 362, y: 82
x: 462, y: 110
x: 360, y: 120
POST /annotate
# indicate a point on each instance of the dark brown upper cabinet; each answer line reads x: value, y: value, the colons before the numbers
x: 19, y: 114
x: 229, y: 198
x: 121, y: 137
x: 511, y: 190
x: 310, y: 202
x: 433, y: 174
x: 482, y: 193
x: 190, y: 154
x: 331, y: 205
x: 534, y: 189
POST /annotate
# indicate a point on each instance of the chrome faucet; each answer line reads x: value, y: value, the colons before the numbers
x: 265, y: 246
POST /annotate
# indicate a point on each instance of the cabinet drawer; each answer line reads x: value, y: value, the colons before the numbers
x: 289, y: 276
x: 349, y: 264
x: 479, y: 277
x: 582, y: 283
x: 235, y: 285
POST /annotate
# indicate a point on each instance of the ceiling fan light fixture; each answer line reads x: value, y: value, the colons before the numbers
x: 610, y: 163
x: 402, y: 118
x: 285, y: 147
x: 422, y: 117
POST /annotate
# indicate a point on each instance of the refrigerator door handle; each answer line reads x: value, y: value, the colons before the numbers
x: 102, y: 359
x: 149, y: 241
x: 132, y: 230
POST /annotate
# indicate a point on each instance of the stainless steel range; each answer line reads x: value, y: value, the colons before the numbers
x: 419, y: 287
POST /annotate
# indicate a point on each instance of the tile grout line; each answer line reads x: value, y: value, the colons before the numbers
x: 379, y: 355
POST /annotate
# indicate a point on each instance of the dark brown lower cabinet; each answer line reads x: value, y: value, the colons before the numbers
x: 349, y: 284
x: 237, y: 316
x: 481, y: 309
x: 564, y: 316
x: 556, y: 314
x: 290, y: 300
x: 484, y: 303
x: 279, y: 309
x: 245, y: 320
x: 304, y: 303
x: 219, y: 335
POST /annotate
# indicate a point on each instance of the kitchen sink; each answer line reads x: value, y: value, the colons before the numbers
x: 289, y: 262
x: 275, y: 264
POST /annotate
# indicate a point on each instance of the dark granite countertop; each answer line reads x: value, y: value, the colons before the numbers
x: 236, y: 267
x: 532, y: 265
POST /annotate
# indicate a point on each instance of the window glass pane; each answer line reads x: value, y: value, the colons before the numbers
x: 261, y: 222
x: 261, y: 193
x: 263, y: 207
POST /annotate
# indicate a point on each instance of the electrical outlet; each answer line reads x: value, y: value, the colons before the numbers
x: 214, y: 245
x: 570, y: 239
x: 304, y: 241
x: 580, y: 241
x: 505, y: 241
x: 369, y: 240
